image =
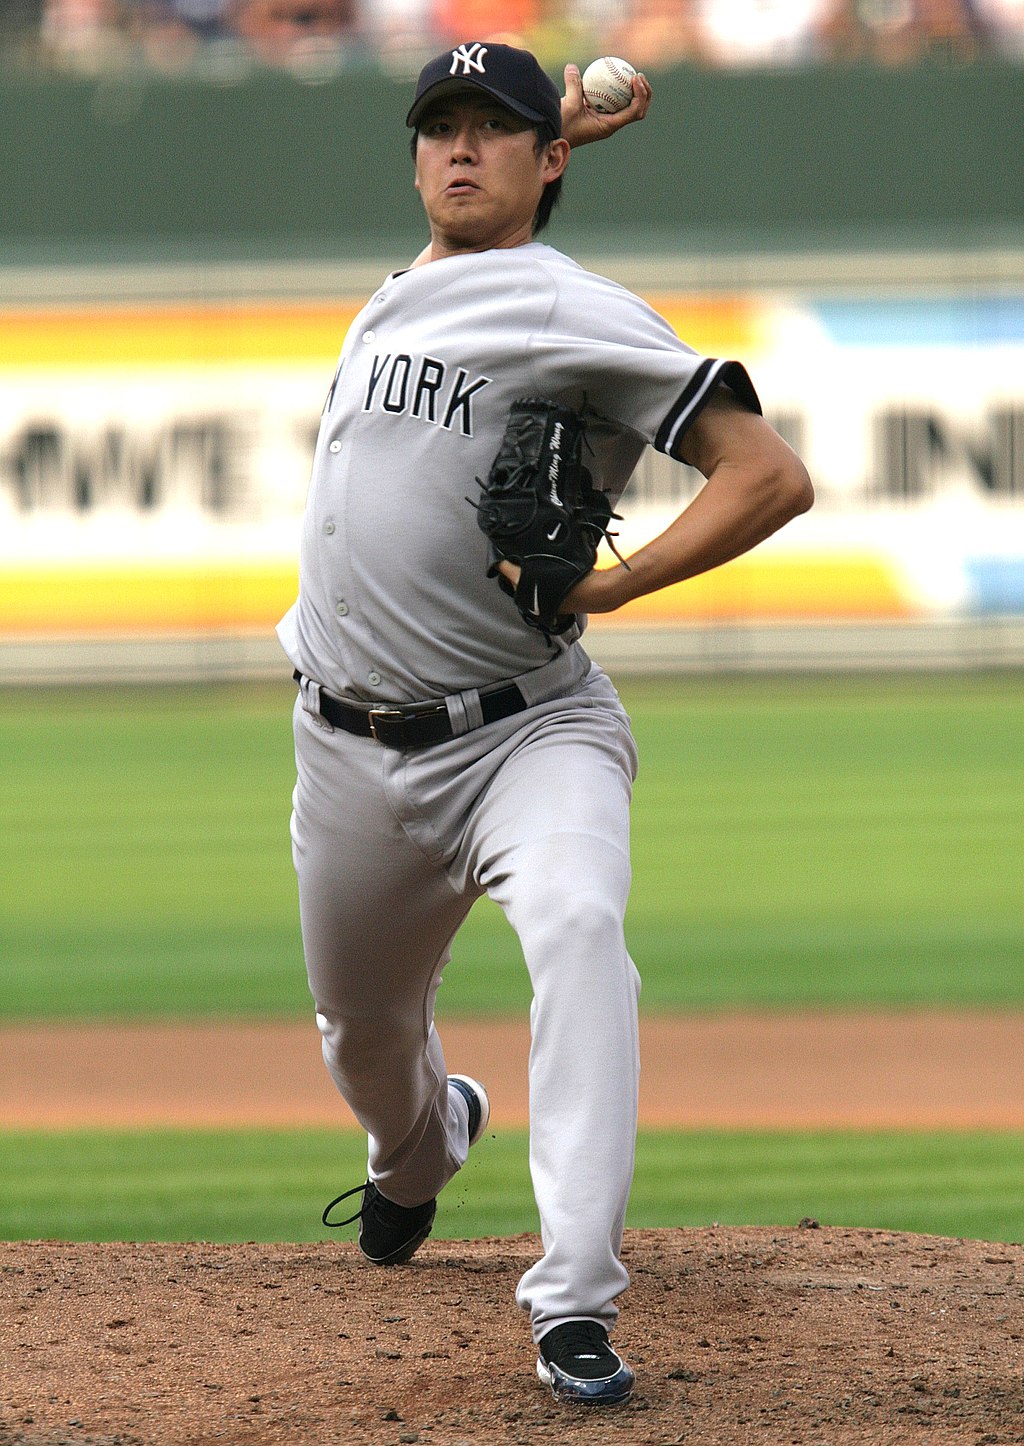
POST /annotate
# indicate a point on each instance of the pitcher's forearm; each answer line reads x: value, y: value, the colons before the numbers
x: 734, y: 512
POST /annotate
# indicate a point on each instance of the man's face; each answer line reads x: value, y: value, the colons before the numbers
x: 479, y: 173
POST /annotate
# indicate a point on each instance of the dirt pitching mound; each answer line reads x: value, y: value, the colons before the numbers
x: 816, y: 1336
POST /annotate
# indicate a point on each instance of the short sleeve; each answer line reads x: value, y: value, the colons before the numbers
x: 634, y: 371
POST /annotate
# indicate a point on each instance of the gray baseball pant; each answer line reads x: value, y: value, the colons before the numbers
x: 391, y: 849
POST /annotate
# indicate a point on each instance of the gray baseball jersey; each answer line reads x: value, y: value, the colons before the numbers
x: 392, y: 846
x: 394, y: 600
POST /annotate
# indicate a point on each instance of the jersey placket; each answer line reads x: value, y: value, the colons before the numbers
x: 333, y: 480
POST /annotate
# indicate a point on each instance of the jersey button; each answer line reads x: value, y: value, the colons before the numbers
x: 328, y: 528
x: 342, y: 610
x: 369, y: 336
x: 373, y: 678
x: 335, y: 447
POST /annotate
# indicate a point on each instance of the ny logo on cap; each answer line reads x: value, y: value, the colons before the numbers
x: 470, y: 58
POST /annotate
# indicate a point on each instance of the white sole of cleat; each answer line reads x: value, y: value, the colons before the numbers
x: 485, y: 1105
x: 611, y: 1391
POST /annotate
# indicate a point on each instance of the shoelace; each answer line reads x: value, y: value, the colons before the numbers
x: 583, y: 1338
x: 362, y: 1189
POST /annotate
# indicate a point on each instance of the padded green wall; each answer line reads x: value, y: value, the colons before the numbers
x: 146, y: 166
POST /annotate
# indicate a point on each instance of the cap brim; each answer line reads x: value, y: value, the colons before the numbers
x: 459, y: 86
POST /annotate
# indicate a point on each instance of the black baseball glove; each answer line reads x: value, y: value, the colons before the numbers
x: 540, y: 510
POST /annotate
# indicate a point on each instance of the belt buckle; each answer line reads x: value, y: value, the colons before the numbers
x: 390, y: 715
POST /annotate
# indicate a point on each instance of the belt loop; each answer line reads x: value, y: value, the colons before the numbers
x: 309, y: 692
x: 562, y: 674
x: 464, y: 711
x: 309, y: 697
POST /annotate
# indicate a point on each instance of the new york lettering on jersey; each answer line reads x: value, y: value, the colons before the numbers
x: 423, y: 387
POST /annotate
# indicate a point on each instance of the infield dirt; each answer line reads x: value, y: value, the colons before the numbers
x: 740, y: 1337
x: 924, y: 1069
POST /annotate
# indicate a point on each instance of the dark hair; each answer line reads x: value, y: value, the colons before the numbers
x: 553, y: 190
x: 544, y: 134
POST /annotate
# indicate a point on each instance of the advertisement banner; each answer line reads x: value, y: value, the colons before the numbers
x: 154, y: 459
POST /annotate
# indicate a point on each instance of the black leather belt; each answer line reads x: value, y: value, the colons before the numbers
x: 413, y: 725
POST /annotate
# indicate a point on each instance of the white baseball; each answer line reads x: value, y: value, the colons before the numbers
x: 608, y: 84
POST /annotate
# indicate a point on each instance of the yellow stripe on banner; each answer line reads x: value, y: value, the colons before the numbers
x: 185, y: 335
x: 120, y: 599
x: 250, y: 596
x: 724, y: 326
x: 241, y: 333
x: 777, y: 588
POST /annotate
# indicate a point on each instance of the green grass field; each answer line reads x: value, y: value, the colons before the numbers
x: 817, y: 842
x: 272, y: 1185
x: 827, y: 842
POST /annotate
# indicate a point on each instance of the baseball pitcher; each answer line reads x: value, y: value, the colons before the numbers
x: 452, y: 737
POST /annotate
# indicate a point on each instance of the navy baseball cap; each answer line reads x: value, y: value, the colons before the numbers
x: 513, y: 77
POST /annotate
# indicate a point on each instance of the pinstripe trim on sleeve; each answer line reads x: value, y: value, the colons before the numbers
x: 695, y: 396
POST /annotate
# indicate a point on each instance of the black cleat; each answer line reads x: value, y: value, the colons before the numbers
x: 578, y: 1364
x: 391, y: 1234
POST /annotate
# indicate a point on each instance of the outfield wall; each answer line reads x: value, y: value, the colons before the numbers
x: 154, y: 457
x: 239, y: 161
x: 852, y: 233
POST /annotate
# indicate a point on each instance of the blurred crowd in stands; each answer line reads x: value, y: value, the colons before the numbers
x: 319, y: 37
